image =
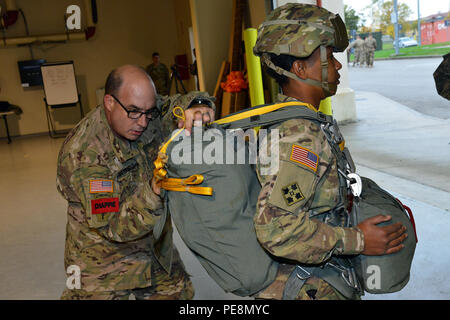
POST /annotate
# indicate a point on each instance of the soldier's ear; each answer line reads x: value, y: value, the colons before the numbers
x: 108, y: 101
x: 299, y: 68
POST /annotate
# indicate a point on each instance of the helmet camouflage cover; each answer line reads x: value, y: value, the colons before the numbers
x: 297, y: 30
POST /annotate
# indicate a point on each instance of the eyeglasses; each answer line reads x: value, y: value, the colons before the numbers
x: 151, y: 114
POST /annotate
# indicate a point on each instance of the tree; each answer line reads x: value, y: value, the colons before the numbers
x: 351, y: 18
x: 384, y: 10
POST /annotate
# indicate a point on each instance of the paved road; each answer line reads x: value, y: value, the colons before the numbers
x: 407, y: 81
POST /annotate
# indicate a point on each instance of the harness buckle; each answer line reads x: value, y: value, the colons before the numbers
x: 356, y: 186
x: 322, y: 116
x: 304, y: 274
x: 347, y: 274
x: 354, y: 182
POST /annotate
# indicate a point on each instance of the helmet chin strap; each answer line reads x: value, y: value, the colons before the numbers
x: 327, y: 87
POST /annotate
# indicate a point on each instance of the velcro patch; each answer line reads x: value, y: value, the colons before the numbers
x: 105, y: 205
x: 292, y: 194
x: 305, y: 157
x: 101, y: 186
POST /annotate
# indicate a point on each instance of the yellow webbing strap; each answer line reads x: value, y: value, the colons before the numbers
x: 159, y: 173
x: 186, y: 185
x: 174, y: 184
x: 342, y: 145
x: 262, y: 110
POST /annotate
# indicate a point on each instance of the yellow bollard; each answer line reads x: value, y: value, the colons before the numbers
x: 325, y: 106
x: 253, y: 68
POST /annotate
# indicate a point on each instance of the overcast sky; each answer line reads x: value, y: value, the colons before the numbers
x: 427, y: 7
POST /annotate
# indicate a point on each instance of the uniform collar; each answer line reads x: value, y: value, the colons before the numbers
x: 282, y: 98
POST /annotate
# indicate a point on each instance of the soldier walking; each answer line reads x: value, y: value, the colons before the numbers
x: 370, y: 45
x: 358, y: 45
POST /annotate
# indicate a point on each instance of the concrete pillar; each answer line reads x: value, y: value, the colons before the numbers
x: 343, y: 102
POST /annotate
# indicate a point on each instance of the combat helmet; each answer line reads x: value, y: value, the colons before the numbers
x: 297, y: 30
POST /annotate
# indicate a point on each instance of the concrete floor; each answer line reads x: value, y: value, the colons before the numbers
x: 32, y: 220
x: 406, y: 152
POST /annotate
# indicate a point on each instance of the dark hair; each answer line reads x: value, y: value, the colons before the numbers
x: 155, y: 54
x: 113, y: 82
x: 284, y: 61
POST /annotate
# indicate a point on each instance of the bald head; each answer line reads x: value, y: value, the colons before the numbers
x: 128, y: 88
x: 116, y: 77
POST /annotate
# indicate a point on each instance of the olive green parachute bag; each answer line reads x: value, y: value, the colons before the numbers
x: 386, y: 273
x: 212, y: 203
x: 218, y: 228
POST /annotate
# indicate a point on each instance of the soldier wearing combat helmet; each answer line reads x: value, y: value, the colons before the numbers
x: 302, y: 208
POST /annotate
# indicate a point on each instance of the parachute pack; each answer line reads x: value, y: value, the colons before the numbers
x: 213, y: 200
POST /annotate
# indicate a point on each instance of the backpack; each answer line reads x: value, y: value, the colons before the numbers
x: 212, y: 205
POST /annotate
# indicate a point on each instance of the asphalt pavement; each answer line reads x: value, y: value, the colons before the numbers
x: 406, y: 81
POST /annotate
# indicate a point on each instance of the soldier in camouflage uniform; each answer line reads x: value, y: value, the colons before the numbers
x: 296, y: 44
x: 370, y: 45
x: 358, y: 45
x: 442, y: 77
x: 159, y: 74
x: 117, y: 234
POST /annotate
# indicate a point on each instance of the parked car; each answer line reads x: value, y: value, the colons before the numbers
x: 406, y: 42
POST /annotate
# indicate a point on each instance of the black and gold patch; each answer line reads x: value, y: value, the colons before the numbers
x: 292, y: 194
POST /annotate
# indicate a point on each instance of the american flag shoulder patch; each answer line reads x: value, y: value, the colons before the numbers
x: 101, y: 186
x: 305, y: 157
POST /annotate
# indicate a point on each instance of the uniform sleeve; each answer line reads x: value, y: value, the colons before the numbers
x: 282, y: 221
x: 110, y: 208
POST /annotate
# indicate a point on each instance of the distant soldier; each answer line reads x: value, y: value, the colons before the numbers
x: 370, y: 45
x: 358, y: 45
x: 160, y: 75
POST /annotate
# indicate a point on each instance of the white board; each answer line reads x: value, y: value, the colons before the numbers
x: 60, y: 86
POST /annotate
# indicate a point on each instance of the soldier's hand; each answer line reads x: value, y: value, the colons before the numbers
x: 380, y: 240
x: 196, y: 116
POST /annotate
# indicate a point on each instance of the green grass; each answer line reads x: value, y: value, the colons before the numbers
x: 388, y: 46
x: 432, y: 49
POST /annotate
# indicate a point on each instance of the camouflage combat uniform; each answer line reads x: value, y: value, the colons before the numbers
x: 370, y: 45
x: 117, y: 233
x: 287, y: 198
x: 160, y: 76
x: 358, y: 45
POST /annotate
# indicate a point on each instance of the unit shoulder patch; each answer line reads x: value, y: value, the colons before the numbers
x: 292, y: 194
